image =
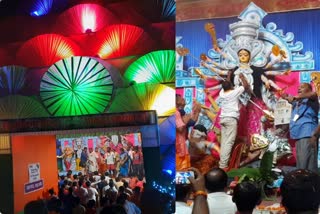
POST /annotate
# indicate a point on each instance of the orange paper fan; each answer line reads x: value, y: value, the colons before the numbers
x: 45, y: 50
x: 122, y: 40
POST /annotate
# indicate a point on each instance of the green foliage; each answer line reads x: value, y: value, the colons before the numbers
x: 262, y: 175
x: 244, y: 173
x: 265, y: 168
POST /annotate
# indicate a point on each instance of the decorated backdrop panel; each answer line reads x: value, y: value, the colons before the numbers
x: 300, y: 23
x: 70, y: 148
x: 294, y: 32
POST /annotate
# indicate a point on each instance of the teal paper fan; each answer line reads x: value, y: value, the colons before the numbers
x: 76, y: 86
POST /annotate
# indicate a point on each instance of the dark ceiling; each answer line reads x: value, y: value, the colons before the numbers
x: 22, y: 7
x: 8, y: 7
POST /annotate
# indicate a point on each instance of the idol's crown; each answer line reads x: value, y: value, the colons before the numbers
x: 244, y: 33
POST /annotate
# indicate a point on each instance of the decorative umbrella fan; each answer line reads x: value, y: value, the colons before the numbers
x: 145, y: 97
x: 154, y: 67
x: 12, y: 78
x: 122, y: 40
x: 44, y: 50
x: 40, y: 7
x: 168, y: 8
x: 76, y: 86
x: 84, y: 18
x: 18, y: 107
x: 122, y: 63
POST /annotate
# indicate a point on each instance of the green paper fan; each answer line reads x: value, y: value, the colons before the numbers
x: 145, y: 96
x: 76, y: 86
x: 154, y: 67
x: 18, y: 107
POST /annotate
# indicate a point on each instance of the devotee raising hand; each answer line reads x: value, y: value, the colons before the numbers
x: 198, y: 185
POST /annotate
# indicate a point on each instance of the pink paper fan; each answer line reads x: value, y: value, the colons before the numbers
x: 45, y: 50
x: 84, y: 18
x: 122, y: 40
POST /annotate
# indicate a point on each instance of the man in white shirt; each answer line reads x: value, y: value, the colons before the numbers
x: 92, y: 193
x: 92, y: 161
x: 182, y: 194
x: 107, y: 176
x: 230, y: 112
x: 96, y: 176
x: 110, y: 161
x: 218, y: 200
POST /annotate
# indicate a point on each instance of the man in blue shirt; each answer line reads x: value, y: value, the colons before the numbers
x: 84, y: 157
x: 303, y: 126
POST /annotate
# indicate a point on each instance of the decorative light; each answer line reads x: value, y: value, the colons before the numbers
x: 78, y: 19
x: 168, y: 158
x: 35, y: 13
x: 168, y: 171
x: 165, y: 189
x: 88, y: 19
x: 41, y: 7
x: 164, y: 102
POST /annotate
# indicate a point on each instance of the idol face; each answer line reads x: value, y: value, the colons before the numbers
x: 244, y: 56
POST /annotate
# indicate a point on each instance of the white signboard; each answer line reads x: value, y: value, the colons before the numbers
x: 282, y: 113
x: 34, y: 172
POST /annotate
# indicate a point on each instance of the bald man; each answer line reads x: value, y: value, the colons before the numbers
x: 303, y: 126
x: 216, y: 181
